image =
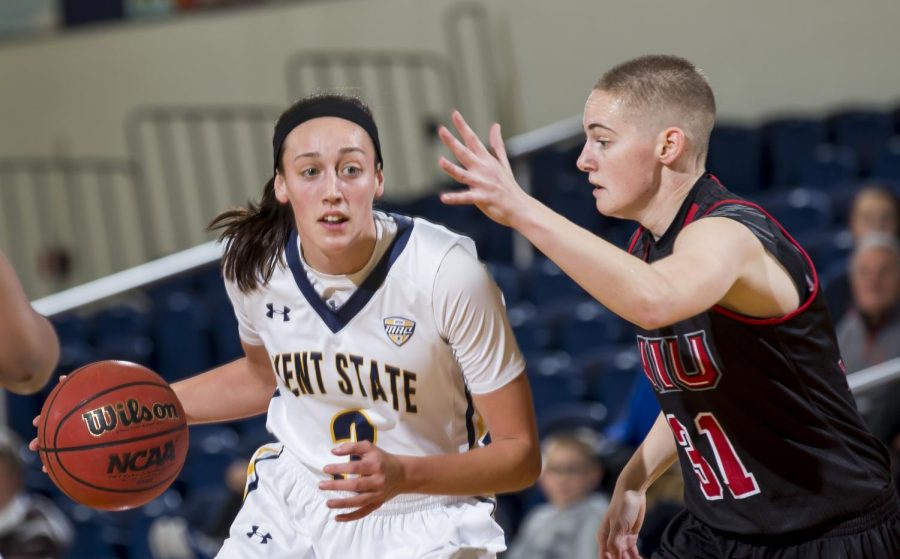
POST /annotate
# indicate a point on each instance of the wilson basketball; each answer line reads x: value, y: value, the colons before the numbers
x: 112, y: 435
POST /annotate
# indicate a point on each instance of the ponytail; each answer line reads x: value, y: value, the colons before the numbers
x: 254, y: 237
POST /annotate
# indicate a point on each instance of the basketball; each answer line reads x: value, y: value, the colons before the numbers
x: 112, y: 435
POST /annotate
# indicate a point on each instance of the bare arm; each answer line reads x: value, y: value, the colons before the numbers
x: 512, y: 461
x: 711, y: 257
x: 617, y: 536
x: 242, y: 388
x: 29, y: 348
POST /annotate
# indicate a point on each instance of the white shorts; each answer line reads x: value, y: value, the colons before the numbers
x: 284, y: 516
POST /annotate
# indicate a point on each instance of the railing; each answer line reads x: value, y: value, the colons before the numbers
x: 409, y: 92
x: 65, y: 220
x: 193, y: 161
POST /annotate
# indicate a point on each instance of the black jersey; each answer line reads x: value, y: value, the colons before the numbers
x: 769, y: 438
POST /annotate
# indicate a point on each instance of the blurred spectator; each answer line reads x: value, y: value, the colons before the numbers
x: 875, y: 209
x: 31, y: 527
x: 566, y: 526
x: 869, y: 333
x: 205, y: 523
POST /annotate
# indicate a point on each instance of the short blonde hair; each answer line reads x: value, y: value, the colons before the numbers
x: 666, y: 84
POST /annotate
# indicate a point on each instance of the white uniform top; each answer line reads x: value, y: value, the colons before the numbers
x: 397, y: 361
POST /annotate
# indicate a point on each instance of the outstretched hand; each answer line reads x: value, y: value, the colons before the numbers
x: 487, y: 173
x: 617, y: 537
x: 376, y: 477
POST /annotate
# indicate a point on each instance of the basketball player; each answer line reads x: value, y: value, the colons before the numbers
x: 29, y: 348
x: 733, y: 332
x: 379, y: 346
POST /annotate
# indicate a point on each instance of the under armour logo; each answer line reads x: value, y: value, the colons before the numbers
x: 263, y: 536
x: 285, y: 314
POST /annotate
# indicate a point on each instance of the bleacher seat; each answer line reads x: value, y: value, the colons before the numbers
x: 180, y: 335
x: 507, y: 279
x: 830, y: 166
x: 591, y: 326
x: 735, y: 157
x: 887, y: 164
x: 788, y: 142
x: 801, y: 211
x: 865, y: 131
x: 609, y: 375
x: 120, y: 320
x: 547, y: 283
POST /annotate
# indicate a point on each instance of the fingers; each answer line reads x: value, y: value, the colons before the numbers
x: 358, y: 448
x: 457, y: 173
x: 462, y: 153
x: 497, y: 145
x: 467, y: 134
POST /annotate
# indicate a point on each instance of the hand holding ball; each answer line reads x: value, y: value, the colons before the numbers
x: 113, y: 435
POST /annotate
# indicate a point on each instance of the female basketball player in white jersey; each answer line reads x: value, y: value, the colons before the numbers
x: 381, y: 349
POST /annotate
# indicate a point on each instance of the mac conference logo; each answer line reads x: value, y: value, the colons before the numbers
x: 399, y: 329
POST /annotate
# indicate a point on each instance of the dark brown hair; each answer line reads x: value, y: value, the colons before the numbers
x: 660, y: 83
x: 256, y: 234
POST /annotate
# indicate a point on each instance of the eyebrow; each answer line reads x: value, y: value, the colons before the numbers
x: 342, y: 151
x: 595, y: 125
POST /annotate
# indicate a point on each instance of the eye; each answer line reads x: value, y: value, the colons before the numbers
x: 352, y: 170
x: 309, y: 172
x: 603, y: 143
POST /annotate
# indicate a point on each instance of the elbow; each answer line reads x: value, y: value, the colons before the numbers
x: 652, y: 312
x: 529, y: 468
x: 25, y: 380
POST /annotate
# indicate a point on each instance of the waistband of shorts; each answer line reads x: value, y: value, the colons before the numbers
x: 400, y: 504
x: 879, y: 511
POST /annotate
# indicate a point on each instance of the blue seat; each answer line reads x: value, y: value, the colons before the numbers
x: 830, y: 166
x: 507, y: 279
x: 125, y: 347
x: 735, y: 157
x: 801, y: 211
x: 547, y: 283
x: 223, y: 328
x: 571, y: 197
x: 553, y: 382
x: 887, y: 164
x: 591, y: 326
x: 570, y: 416
x: 179, y: 331
x: 120, y: 320
x: 72, y: 327
x: 865, y: 131
x: 610, y: 375
x: 788, y: 142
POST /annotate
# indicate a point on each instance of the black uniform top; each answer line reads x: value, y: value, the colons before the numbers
x: 769, y: 438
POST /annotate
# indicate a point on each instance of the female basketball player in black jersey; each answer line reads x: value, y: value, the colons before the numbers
x: 732, y: 328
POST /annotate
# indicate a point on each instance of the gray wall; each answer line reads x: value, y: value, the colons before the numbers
x: 70, y: 94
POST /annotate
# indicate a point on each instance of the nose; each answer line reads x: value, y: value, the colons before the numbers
x: 586, y: 162
x: 332, y: 193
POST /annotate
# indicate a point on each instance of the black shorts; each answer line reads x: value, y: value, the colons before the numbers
x: 688, y: 538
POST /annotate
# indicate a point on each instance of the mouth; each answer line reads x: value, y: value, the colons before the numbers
x: 333, y: 219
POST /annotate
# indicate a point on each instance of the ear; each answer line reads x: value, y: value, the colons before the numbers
x: 379, y: 183
x: 671, y: 145
x: 280, y: 188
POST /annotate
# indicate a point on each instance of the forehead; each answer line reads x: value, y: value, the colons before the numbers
x: 602, y: 107
x: 323, y: 132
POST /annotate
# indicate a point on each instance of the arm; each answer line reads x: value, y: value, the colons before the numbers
x: 512, y: 461
x: 711, y: 255
x: 619, y: 529
x: 242, y: 388
x: 29, y: 348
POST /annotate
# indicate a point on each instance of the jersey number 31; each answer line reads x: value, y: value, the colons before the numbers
x: 740, y: 482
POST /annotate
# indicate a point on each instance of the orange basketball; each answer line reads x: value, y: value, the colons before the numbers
x: 113, y: 435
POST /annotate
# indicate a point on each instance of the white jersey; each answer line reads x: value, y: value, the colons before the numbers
x: 397, y: 362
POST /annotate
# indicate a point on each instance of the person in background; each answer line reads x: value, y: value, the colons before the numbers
x: 869, y: 333
x: 31, y: 527
x: 565, y: 526
x: 875, y: 209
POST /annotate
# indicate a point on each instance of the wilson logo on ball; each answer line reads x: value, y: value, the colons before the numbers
x: 131, y: 412
x: 141, y: 460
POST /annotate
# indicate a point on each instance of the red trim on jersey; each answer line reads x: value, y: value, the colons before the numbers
x: 778, y: 319
x: 692, y: 213
x: 634, y: 238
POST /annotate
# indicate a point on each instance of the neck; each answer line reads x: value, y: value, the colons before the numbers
x: 674, y: 187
